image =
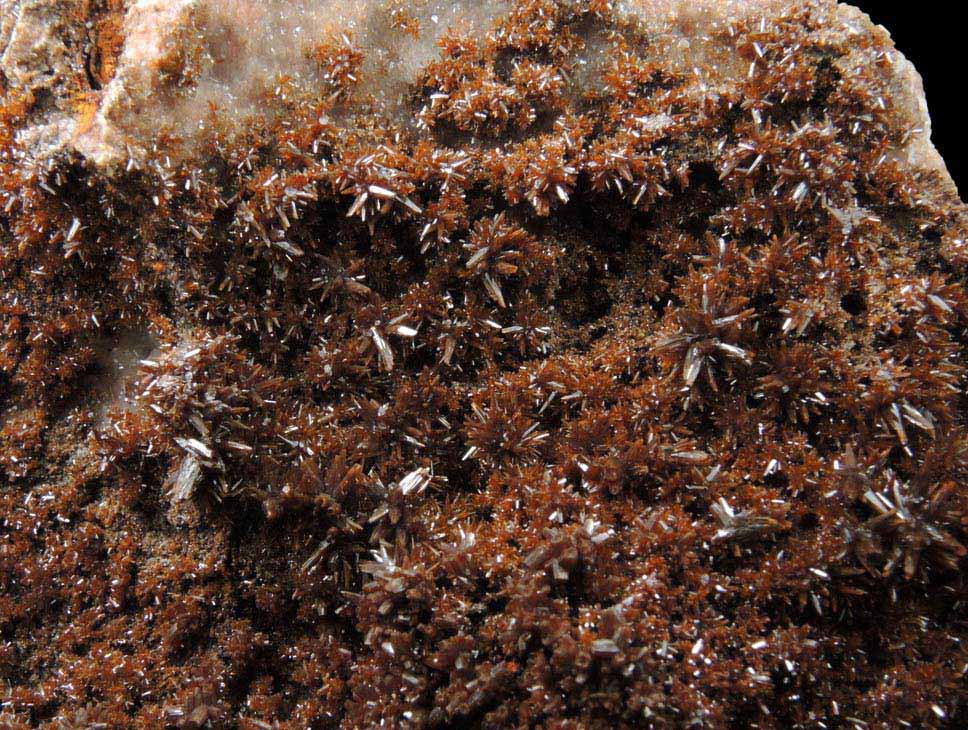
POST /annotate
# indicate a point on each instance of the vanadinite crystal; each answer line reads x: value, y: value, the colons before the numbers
x: 476, y: 364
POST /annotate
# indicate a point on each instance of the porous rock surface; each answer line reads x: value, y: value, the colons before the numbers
x: 500, y: 364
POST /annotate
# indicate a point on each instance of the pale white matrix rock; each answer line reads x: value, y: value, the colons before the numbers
x: 246, y: 45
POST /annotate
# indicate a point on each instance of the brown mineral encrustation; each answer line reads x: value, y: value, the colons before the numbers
x: 503, y: 364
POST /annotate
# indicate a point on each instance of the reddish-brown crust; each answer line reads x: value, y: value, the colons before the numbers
x: 545, y: 405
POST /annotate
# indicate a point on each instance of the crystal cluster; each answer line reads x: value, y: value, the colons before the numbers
x: 530, y: 364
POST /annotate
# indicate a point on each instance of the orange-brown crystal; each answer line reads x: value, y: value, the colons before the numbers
x: 613, y: 377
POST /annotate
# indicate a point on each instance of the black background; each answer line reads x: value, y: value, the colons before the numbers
x: 932, y: 36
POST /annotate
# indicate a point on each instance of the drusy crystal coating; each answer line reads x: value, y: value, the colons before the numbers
x: 500, y: 364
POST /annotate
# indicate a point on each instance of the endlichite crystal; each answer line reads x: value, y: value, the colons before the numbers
x: 509, y: 364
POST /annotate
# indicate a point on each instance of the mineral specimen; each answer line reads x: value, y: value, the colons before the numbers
x: 502, y: 364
